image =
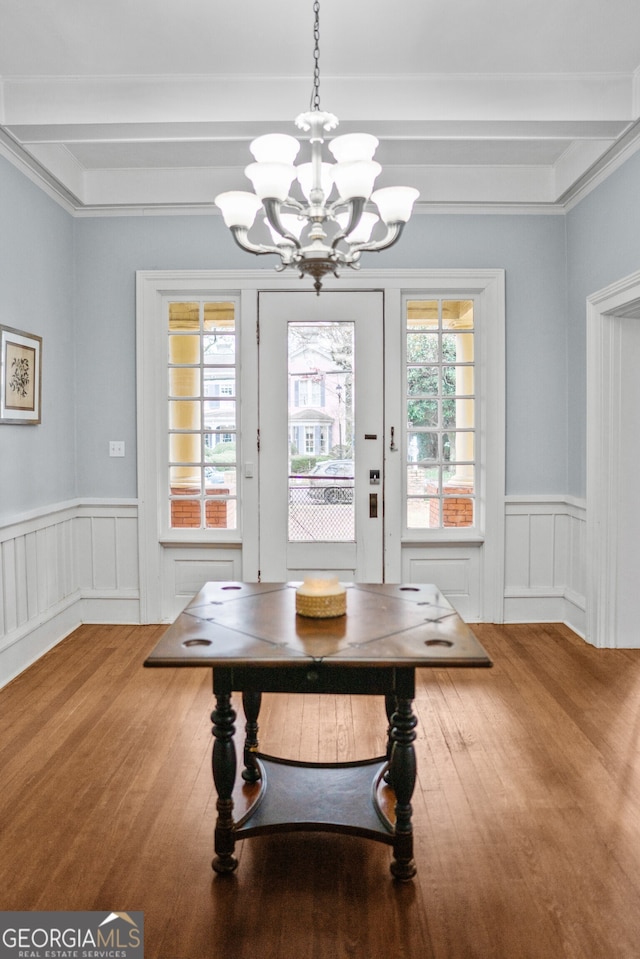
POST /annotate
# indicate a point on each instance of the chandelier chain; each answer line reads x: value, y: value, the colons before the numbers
x: 315, y: 93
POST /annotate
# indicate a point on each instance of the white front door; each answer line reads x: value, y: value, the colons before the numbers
x: 321, y: 386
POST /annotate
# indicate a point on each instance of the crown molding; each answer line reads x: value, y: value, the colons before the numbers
x: 599, y: 170
x: 608, y: 163
x: 27, y: 165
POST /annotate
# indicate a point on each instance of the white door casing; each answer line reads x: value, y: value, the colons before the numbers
x: 360, y: 560
x: 168, y: 569
x: 613, y: 463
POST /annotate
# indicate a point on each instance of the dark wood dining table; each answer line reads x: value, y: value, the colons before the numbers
x: 250, y: 635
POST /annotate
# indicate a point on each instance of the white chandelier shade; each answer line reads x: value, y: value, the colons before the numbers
x: 271, y: 179
x: 305, y: 179
x: 238, y: 209
x: 353, y: 146
x: 315, y: 210
x: 275, y: 148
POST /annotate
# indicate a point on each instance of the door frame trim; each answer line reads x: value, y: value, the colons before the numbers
x: 604, y: 356
x: 152, y: 285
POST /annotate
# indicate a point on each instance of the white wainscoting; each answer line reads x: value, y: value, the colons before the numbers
x: 456, y: 569
x: 185, y: 570
x: 545, y: 561
x: 78, y: 563
x: 69, y: 564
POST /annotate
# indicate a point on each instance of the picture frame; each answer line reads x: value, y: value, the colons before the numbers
x: 20, y: 377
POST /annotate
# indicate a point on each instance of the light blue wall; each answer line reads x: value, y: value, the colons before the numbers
x: 73, y: 282
x: 109, y: 251
x: 37, y: 463
x: 603, y: 244
x: 530, y: 248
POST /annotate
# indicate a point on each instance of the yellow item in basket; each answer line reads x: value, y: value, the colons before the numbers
x: 321, y: 598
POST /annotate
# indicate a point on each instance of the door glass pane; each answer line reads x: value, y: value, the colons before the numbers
x: 184, y: 316
x: 219, y: 316
x: 320, y: 423
x: 219, y: 414
x: 423, y: 381
x: 425, y: 413
x: 184, y: 414
x: 423, y: 347
x: 219, y: 348
x: 422, y: 314
x: 184, y: 382
x: 457, y: 347
x: 184, y: 348
x: 219, y: 382
x: 457, y: 314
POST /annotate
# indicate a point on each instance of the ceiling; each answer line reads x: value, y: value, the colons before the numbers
x: 149, y: 105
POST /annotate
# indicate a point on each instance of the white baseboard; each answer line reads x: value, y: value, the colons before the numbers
x: 24, y: 647
x: 118, y: 610
x: 70, y: 564
x: 545, y: 608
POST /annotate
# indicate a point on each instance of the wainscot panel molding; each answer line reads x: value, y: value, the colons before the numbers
x: 455, y: 567
x: 77, y: 563
x: 69, y: 564
x: 185, y: 569
x: 545, y: 560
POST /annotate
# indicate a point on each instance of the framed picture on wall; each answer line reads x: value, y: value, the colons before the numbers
x: 20, y: 376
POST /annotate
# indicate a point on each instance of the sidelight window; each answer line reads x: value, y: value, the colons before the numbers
x: 203, y: 439
x: 440, y: 406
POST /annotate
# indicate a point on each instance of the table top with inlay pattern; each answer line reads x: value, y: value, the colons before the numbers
x: 233, y: 623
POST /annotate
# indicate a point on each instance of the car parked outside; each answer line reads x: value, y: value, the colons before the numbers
x: 331, y: 482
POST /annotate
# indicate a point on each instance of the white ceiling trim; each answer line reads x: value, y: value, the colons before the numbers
x: 46, y: 118
x: 64, y: 100
x: 607, y: 164
x: 635, y: 96
x: 81, y: 206
x: 445, y: 183
x: 26, y: 164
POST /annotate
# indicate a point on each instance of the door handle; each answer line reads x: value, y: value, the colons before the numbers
x: 373, y: 505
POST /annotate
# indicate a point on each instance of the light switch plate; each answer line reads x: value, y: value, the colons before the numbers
x: 116, y: 447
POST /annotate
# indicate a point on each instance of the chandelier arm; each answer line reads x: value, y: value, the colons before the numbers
x: 356, y: 207
x: 272, y: 210
x: 294, y: 204
x: 239, y: 234
x: 394, y: 232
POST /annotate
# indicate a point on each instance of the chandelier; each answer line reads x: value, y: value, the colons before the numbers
x: 326, y: 226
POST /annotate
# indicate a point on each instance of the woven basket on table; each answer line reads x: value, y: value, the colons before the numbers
x: 321, y: 607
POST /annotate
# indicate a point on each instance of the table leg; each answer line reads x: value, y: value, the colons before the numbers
x: 390, y: 705
x: 251, y: 701
x: 224, y: 776
x: 403, y: 778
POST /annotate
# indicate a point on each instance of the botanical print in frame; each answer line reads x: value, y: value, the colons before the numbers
x: 20, y: 376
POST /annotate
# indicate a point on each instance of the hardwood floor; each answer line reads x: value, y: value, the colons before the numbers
x: 526, y: 810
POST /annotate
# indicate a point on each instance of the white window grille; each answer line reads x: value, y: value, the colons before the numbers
x: 202, y: 468
x: 440, y: 405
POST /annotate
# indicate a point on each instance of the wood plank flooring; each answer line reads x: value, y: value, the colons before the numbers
x: 526, y: 810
